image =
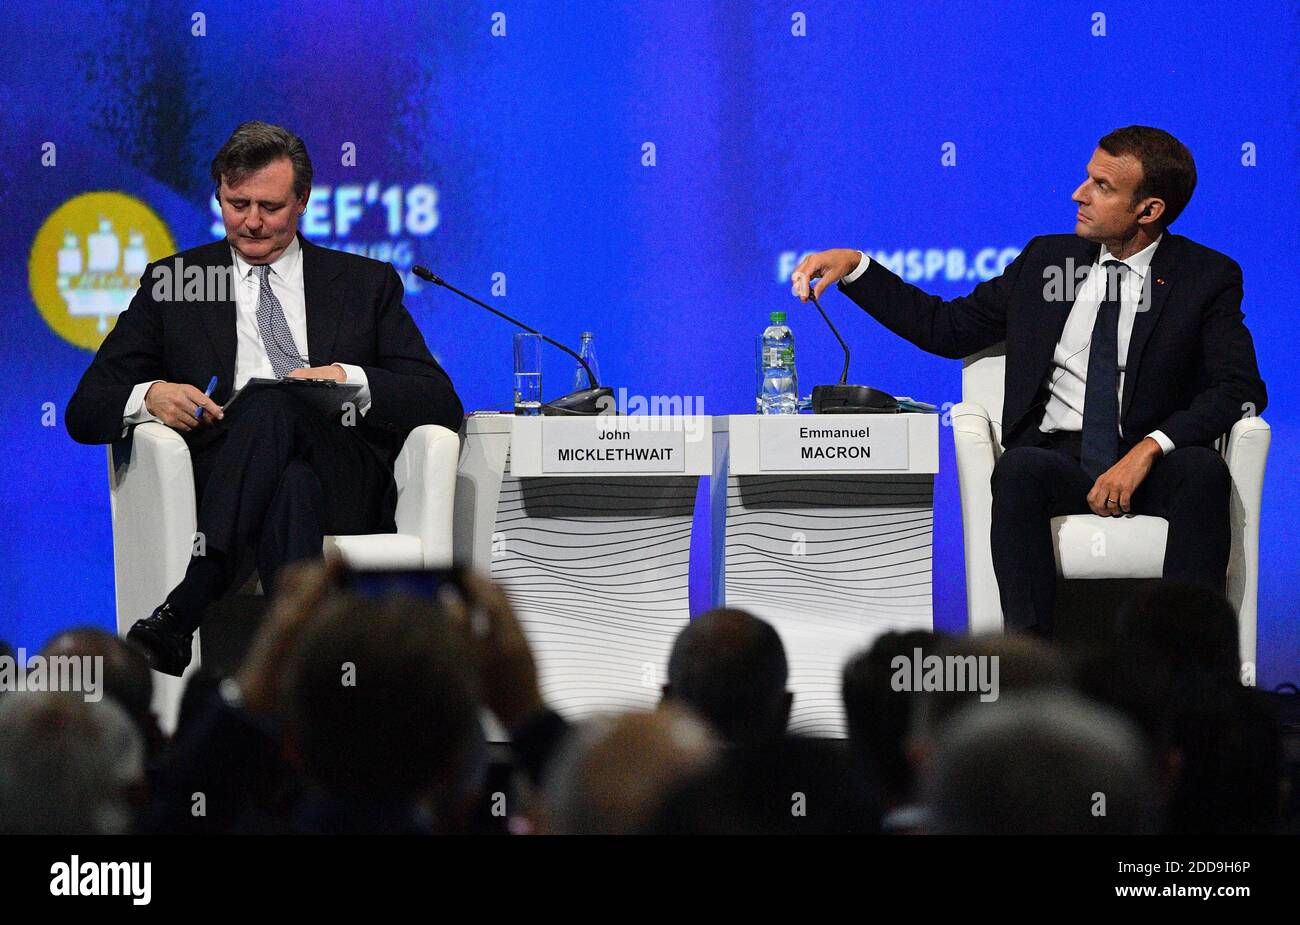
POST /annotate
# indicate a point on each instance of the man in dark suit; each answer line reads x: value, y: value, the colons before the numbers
x: 1127, y: 356
x: 276, y: 475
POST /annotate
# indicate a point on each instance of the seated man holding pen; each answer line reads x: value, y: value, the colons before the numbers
x: 275, y: 476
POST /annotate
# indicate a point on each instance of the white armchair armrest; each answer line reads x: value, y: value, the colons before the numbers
x: 151, y: 497
x: 1246, y: 453
x: 425, y: 473
x: 974, y: 441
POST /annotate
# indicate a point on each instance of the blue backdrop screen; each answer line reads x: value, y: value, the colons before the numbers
x: 650, y: 171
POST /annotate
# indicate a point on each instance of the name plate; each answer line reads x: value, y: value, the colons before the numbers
x: 611, y: 445
x: 799, y: 442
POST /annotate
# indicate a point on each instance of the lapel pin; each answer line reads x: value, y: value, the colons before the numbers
x: 1160, y: 280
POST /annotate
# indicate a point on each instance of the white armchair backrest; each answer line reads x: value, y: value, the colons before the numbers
x: 983, y: 378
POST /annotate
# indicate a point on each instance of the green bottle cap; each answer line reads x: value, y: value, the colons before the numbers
x: 778, y: 317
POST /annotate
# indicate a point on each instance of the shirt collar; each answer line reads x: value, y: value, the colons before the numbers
x: 1138, y: 263
x: 282, y: 266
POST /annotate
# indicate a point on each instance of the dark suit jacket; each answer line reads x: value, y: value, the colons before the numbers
x: 354, y: 315
x: 1191, y: 369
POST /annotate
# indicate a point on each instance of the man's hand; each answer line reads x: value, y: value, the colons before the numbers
x: 175, y: 404
x: 333, y: 371
x: 831, y: 266
x: 496, y: 642
x: 1117, y: 484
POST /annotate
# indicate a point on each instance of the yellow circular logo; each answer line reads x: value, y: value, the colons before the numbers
x: 87, y: 259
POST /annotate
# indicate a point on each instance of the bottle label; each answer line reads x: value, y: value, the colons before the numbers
x: 778, y: 356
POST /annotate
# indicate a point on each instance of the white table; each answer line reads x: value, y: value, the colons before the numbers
x: 586, y: 522
x: 828, y: 538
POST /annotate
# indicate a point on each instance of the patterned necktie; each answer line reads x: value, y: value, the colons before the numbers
x: 276, y: 336
x: 1099, y: 449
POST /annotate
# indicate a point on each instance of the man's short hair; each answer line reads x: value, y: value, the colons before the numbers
x: 380, y: 700
x: 730, y: 668
x: 1024, y: 662
x: 67, y: 766
x: 878, y: 716
x: 252, y: 146
x: 613, y: 774
x: 1168, y: 171
x: 126, y: 674
x: 1040, y: 763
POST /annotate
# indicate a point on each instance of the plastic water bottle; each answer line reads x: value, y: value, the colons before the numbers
x: 588, y: 352
x: 779, y: 391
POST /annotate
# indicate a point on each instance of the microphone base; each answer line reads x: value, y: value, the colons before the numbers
x: 582, y: 403
x: 852, y: 399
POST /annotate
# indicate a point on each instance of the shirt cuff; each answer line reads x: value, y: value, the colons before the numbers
x: 135, y: 411
x: 858, y: 271
x: 357, y: 375
x: 1166, y: 445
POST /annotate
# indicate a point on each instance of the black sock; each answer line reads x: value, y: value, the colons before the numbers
x: 204, y: 581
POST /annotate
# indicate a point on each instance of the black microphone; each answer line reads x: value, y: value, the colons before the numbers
x: 588, y: 401
x: 842, y: 398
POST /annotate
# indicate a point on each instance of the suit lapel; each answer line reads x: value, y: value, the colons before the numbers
x: 1055, y: 311
x: 1081, y: 253
x: 219, y: 320
x: 1026, y: 381
x: 1159, y: 281
x: 324, y: 294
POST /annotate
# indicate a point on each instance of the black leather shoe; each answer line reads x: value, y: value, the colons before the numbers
x: 164, y: 640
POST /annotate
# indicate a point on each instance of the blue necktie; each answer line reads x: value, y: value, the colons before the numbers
x: 276, y: 336
x: 1099, y: 447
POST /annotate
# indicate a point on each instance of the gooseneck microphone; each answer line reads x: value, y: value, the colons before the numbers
x: 844, y: 373
x: 843, y: 398
x: 588, y: 401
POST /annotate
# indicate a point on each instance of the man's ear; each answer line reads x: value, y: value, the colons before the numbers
x: 1151, y: 212
x: 302, y: 203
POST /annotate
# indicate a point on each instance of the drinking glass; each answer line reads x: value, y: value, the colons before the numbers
x: 528, y: 373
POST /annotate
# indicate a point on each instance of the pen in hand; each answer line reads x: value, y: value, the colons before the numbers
x: 198, y: 415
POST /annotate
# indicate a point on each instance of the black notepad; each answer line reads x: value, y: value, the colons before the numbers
x: 330, y: 398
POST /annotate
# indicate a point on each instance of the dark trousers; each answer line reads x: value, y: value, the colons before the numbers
x: 1190, y: 488
x: 277, y: 481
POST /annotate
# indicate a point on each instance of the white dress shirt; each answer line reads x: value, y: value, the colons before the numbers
x: 251, y: 357
x: 1068, y: 380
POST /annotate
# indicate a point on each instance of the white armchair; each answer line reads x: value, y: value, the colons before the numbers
x: 1135, y: 545
x: 151, y: 494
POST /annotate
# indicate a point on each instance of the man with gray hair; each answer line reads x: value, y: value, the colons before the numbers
x: 1040, y: 763
x: 125, y: 677
x: 276, y: 476
x: 67, y: 766
x: 615, y: 773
